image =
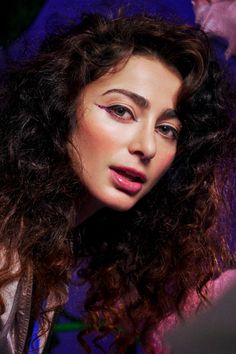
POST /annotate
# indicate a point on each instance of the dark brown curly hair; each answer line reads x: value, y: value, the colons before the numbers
x: 139, y: 265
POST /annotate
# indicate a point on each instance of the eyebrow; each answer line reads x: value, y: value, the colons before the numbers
x: 141, y: 101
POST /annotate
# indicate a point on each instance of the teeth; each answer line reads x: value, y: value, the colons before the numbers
x: 130, y: 177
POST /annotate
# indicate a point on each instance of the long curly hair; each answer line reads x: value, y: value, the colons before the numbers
x: 140, y: 265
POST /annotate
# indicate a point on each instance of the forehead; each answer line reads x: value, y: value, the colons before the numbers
x: 141, y: 65
x: 146, y: 76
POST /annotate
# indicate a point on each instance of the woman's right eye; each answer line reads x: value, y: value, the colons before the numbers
x: 118, y: 111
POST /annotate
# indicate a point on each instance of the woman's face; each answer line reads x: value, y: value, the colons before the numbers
x: 127, y: 132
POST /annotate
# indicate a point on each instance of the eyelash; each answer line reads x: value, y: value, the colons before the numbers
x: 174, y: 132
x: 112, y: 110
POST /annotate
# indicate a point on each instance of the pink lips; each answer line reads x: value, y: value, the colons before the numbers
x: 128, y: 179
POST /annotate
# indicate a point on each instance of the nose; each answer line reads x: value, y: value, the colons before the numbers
x: 143, y: 143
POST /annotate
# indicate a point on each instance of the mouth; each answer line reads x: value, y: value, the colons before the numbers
x: 128, y: 179
x: 131, y: 174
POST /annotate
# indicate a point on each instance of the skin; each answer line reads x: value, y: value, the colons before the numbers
x: 117, y: 128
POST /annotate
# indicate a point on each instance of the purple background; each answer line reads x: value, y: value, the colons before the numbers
x: 55, y: 12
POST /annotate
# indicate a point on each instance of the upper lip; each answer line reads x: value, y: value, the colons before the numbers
x: 130, y: 171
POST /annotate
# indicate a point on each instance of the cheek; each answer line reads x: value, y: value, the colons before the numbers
x: 95, y: 141
x: 163, y: 163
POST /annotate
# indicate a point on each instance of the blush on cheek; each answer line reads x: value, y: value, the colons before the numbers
x: 167, y: 159
x: 98, y: 138
x: 164, y: 164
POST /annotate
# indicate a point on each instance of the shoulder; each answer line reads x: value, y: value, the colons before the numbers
x: 10, y: 289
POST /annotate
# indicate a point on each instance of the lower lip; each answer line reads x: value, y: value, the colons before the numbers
x: 125, y: 184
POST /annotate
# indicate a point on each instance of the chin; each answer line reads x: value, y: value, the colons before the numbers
x: 121, y: 207
x: 123, y: 203
x: 113, y: 199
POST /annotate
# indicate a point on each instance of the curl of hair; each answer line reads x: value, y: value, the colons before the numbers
x: 140, y: 265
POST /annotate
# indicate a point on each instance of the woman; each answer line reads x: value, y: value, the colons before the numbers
x: 112, y: 143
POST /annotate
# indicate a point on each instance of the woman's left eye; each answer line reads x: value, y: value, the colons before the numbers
x: 168, y: 131
x: 118, y: 111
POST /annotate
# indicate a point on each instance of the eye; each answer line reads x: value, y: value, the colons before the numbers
x: 168, y: 131
x: 118, y: 111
